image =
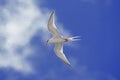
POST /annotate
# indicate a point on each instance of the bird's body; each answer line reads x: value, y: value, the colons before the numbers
x: 58, y: 40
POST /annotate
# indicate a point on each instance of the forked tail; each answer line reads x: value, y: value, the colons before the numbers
x: 76, y: 38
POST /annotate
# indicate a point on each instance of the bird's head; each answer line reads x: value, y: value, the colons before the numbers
x: 47, y: 42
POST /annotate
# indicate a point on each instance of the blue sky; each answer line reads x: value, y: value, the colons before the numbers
x: 23, y: 31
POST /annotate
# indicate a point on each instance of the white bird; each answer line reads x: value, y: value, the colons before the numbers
x: 58, y: 40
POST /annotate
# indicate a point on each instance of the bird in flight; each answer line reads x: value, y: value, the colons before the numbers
x: 57, y: 39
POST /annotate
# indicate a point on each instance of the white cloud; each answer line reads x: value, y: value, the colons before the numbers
x: 19, y: 22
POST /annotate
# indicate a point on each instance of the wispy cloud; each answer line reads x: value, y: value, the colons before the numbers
x: 20, y: 20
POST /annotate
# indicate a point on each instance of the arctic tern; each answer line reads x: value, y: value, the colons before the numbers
x: 57, y: 39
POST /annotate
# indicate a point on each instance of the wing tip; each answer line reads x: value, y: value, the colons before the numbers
x: 52, y: 12
x: 69, y: 65
x: 51, y: 18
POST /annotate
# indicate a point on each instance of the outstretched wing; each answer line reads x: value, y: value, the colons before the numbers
x: 59, y: 52
x: 51, y: 25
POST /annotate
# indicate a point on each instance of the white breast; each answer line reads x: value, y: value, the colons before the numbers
x: 56, y: 40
